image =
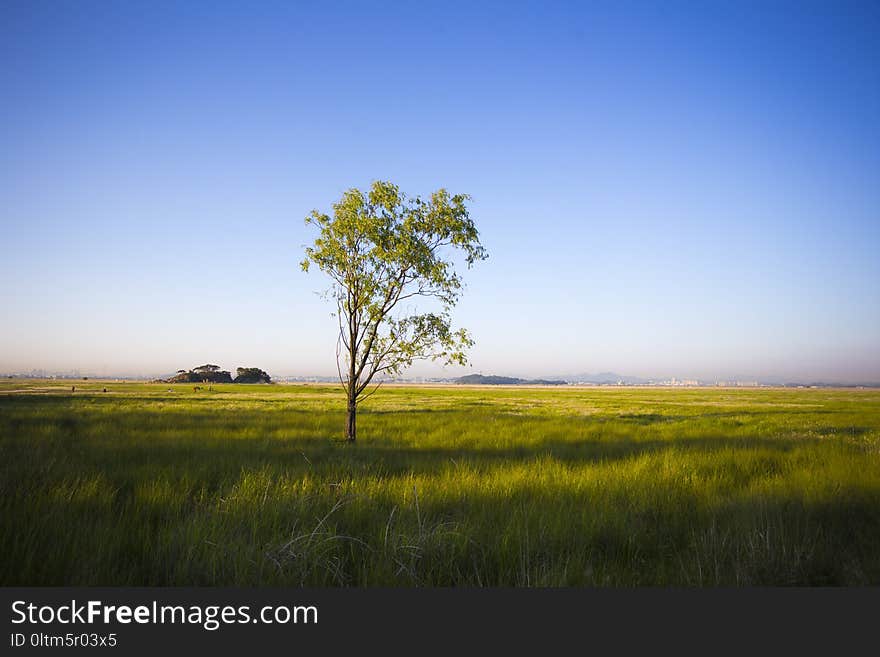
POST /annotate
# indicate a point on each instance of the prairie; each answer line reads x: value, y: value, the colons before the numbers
x: 447, y: 486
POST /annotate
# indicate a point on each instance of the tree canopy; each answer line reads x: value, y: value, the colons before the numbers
x: 213, y: 374
x: 381, y: 248
x: 251, y: 375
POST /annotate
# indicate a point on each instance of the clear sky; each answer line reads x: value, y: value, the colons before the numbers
x: 665, y: 189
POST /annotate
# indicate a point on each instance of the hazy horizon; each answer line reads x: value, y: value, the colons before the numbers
x: 448, y: 373
x: 678, y: 190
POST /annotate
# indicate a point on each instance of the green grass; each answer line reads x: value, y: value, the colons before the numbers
x: 249, y: 485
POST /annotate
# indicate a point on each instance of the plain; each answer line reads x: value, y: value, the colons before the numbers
x: 151, y: 484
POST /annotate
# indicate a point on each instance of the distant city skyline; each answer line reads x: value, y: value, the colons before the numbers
x: 685, y: 189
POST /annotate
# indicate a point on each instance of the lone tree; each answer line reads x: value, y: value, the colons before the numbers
x: 380, y: 249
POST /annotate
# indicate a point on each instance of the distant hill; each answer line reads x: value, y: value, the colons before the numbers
x: 606, y: 378
x: 479, y: 379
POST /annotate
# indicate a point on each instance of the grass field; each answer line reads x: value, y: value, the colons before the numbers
x: 248, y: 485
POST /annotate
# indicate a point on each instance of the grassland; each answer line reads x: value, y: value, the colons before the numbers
x: 249, y: 485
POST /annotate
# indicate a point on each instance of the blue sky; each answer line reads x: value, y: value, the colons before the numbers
x: 665, y: 189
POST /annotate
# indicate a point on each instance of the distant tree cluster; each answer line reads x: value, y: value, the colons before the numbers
x: 202, y: 374
x: 251, y: 375
x: 213, y: 374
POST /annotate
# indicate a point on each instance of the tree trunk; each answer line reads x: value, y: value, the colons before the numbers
x: 351, y: 424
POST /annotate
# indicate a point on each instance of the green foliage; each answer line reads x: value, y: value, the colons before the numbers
x: 382, y: 248
x: 251, y: 375
x: 459, y: 487
x: 202, y: 374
